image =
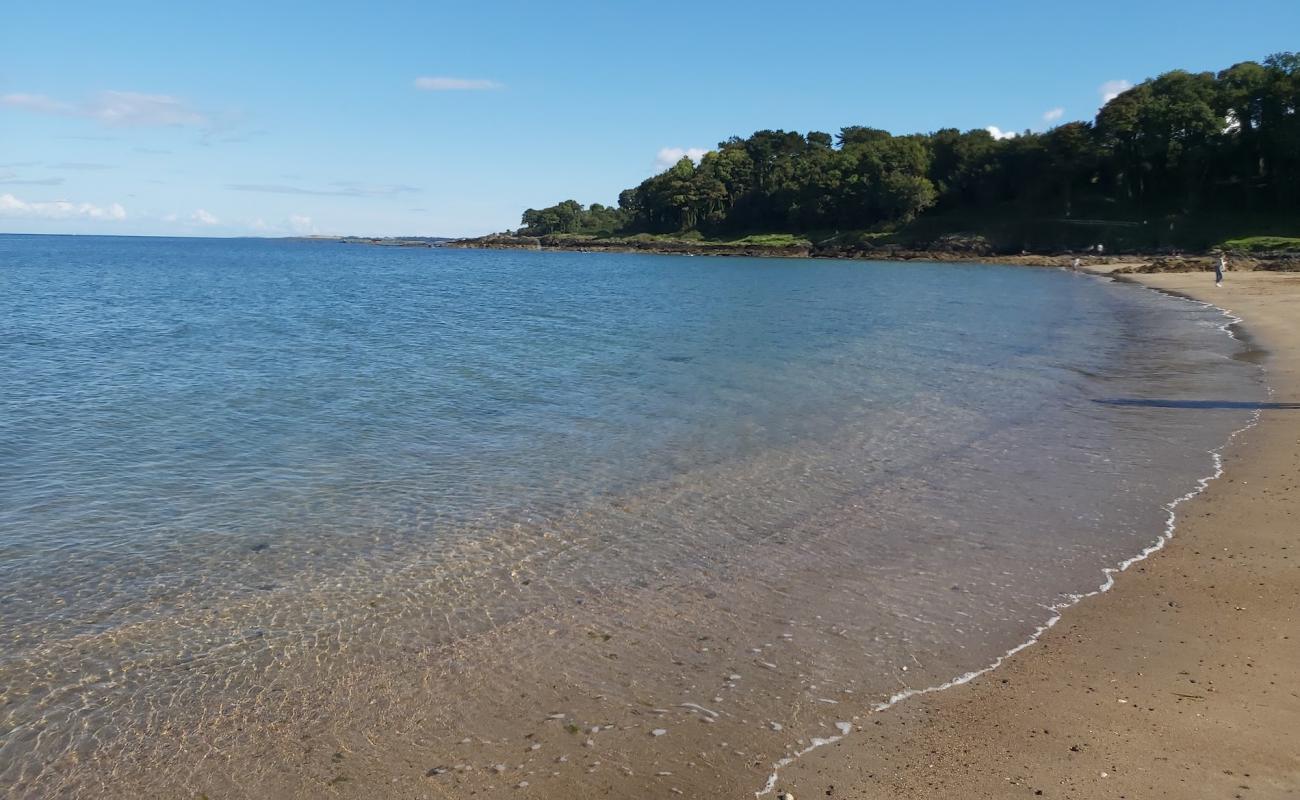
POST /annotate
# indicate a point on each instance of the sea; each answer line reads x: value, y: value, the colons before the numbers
x: 285, y: 518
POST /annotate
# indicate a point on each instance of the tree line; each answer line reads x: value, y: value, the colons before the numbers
x: 1180, y: 143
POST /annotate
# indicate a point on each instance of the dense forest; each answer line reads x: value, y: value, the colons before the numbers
x: 1160, y: 156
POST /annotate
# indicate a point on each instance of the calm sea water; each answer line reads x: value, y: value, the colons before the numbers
x: 284, y: 518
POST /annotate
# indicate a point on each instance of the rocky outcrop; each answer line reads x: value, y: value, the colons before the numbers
x: 951, y: 247
x: 631, y: 245
x: 497, y: 242
x: 1262, y: 263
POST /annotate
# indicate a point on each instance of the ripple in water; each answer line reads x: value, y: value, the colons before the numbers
x: 284, y: 519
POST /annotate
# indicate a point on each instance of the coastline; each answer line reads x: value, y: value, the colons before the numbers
x: 426, y: 726
x: 1278, y: 261
x: 1180, y: 682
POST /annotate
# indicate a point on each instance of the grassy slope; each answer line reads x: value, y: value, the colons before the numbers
x: 1263, y: 244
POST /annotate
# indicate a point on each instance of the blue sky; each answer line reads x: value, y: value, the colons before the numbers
x: 270, y: 118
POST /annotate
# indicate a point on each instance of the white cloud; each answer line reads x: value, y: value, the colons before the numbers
x: 203, y: 217
x: 668, y: 156
x: 37, y: 103
x: 11, y: 206
x: 1053, y: 115
x: 133, y: 108
x: 445, y: 84
x: 1112, y: 89
x: 301, y: 224
x: 125, y: 109
x: 1000, y: 134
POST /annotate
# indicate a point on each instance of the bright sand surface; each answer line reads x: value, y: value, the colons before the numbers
x: 1183, y: 681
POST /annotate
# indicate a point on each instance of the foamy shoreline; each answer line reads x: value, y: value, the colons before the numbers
x: 993, y: 735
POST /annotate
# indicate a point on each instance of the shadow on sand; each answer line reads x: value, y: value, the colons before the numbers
x: 1126, y: 401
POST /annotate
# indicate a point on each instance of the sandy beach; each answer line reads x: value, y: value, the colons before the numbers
x: 1183, y: 681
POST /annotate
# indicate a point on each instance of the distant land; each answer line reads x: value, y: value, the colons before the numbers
x: 382, y: 241
x: 1187, y: 162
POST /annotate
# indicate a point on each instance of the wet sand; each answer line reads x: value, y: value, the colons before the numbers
x: 1183, y: 681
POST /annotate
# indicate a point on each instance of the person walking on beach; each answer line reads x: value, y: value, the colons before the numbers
x: 1219, y: 267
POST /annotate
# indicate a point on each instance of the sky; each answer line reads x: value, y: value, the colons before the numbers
x: 229, y: 118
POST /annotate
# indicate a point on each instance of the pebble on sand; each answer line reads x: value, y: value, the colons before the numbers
x: 658, y: 731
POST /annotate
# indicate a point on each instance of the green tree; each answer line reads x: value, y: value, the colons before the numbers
x: 1172, y: 144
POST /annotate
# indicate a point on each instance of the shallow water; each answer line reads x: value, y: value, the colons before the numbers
x: 286, y: 518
